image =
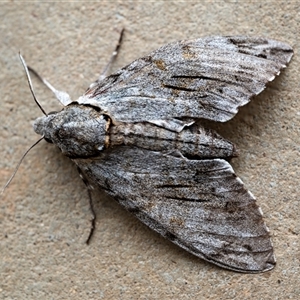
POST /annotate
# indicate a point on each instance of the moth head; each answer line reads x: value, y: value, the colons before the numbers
x: 78, y: 130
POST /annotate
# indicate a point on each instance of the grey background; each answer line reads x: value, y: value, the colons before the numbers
x: 44, y: 214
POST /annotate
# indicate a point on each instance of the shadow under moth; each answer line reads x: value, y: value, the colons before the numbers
x: 137, y: 135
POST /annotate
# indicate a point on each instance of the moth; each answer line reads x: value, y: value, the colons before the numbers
x: 137, y: 135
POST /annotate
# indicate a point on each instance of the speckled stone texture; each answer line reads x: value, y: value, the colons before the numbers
x: 44, y: 214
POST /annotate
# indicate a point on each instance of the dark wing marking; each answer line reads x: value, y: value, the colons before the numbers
x: 205, y: 78
x: 199, y: 205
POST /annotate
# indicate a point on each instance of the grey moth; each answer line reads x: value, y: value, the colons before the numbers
x: 137, y: 135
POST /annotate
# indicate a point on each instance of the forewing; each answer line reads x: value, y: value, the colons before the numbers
x: 199, y: 205
x: 205, y: 78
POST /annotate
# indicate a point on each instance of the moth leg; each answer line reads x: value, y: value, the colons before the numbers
x: 89, y: 188
x: 63, y: 97
x: 111, y: 61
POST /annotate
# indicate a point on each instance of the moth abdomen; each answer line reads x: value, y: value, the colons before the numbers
x: 192, y: 142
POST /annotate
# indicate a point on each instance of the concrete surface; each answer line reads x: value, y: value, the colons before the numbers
x: 44, y: 214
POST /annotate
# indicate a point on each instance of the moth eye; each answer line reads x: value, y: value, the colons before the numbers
x: 48, y: 140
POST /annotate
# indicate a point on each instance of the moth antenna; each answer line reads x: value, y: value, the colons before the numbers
x: 18, y: 165
x: 63, y: 97
x: 30, y: 84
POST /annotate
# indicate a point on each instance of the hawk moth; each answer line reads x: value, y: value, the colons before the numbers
x: 137, y: 135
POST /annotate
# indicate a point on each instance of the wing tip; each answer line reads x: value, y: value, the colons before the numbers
x: 261, y: 267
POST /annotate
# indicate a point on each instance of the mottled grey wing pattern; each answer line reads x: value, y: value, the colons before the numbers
x: 199, y: 205
x: 204, y: 78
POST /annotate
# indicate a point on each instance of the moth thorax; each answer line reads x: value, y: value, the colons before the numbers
x: 78, y: 130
